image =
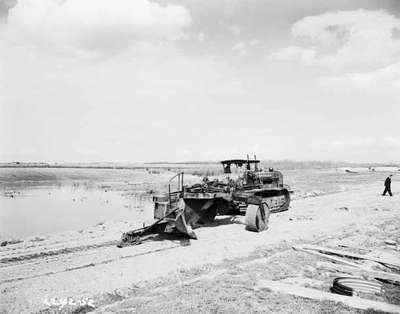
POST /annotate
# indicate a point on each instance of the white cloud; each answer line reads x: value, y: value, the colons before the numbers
x: 345, y: 40
x: 254, y: 42
x: 114, y: 103
x: 94, y: 26
x: 306, y: 56
x: 236, y: 30
x: 200, y: 37
x: 384, y: 80
x: 5, y: 6
x: 240, y: 48
x: 360, y: 48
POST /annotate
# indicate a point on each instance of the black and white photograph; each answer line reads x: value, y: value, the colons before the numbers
x: 200, y: 156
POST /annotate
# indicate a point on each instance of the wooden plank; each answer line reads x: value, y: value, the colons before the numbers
x: 318, y: 295
x: 330, y: 257
x: 359, y: 271
x: 362, y: 248
x: 349, y: 254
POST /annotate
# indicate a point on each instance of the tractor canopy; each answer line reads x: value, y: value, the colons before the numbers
x: 226, y: 164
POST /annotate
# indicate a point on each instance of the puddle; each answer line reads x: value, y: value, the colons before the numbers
x: 47, y: 210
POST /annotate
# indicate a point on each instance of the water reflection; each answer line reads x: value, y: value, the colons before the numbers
x: 46, y: 210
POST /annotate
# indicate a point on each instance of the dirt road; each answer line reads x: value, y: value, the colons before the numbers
x: 88, y: 264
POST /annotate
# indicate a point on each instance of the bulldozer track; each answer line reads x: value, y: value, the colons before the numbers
x: 7, y: 260
x: 87, y: 265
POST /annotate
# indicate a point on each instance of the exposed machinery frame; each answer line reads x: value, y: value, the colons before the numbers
x: 254, y: 193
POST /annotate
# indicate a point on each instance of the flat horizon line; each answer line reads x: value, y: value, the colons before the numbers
x: 151, y: 164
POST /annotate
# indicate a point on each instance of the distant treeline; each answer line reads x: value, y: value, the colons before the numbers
x: 278, y: 164
x: 291, y: 164
x: 95, y: 165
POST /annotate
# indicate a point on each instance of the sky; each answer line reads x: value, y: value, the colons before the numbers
x: 184, y: 80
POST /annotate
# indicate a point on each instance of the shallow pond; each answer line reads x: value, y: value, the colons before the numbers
x: 46, y: 210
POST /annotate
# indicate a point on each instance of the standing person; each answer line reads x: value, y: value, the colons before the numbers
x: 387, y: 184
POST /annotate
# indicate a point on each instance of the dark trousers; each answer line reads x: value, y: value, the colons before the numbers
x: 387, y: 189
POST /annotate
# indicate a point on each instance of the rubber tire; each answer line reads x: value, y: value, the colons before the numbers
x: 257, y: 217
x: 349, y: 285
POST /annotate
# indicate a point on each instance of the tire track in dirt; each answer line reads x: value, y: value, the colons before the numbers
x: 150, y: 294
x: 8, y: 260
x: 90, y: 264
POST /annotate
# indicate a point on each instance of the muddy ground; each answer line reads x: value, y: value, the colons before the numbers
x: 216, y: 273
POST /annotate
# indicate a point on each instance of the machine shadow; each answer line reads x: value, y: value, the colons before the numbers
x: 183, y: 239
x: 221, y: 221
x: 180, y: 238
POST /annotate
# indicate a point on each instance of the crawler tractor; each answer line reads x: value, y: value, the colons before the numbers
x: 252, y: 192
